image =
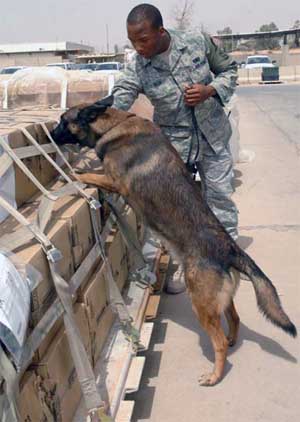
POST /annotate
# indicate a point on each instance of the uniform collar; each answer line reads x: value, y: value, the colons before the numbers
x: 178, y: 46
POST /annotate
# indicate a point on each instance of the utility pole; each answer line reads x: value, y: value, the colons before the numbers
x: 107, y: 40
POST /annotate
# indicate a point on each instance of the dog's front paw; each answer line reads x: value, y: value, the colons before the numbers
x: 207, y: 380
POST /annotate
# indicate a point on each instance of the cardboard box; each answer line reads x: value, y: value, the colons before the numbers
x: 132, y: 221
x: 117, y: 255
x: 94, y: 296
x: 57, y: 369
x: 38, y: 165
x: 70, y: 230
x: 82, y: 324
x: 100, y: 332
x: 76, y: 212
x: 99, y: 315
x: 31, y: 253
x: 29, y: 403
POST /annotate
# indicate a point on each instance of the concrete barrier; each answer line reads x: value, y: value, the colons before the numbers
x: 253, y: 76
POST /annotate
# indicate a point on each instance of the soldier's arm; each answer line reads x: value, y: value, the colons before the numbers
x: 224, y: 69
x: 127, y: 88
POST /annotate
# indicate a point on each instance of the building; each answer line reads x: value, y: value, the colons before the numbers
x: 39, y: 54
x: 100, y: 57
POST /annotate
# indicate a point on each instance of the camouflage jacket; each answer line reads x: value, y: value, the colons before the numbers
x: 194, y: 58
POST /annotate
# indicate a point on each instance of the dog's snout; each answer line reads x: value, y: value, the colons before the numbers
x: 61, y: 135
x: 56, y: 133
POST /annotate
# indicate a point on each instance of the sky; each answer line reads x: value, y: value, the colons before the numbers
x: 89, y: 21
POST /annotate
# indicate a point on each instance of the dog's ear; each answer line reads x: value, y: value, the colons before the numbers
x: 90, y: 113
x: 106, y: 101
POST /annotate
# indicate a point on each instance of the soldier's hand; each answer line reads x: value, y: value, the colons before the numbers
x: 197, y: 93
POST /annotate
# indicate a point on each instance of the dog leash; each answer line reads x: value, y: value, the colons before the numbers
x: 191, y: 165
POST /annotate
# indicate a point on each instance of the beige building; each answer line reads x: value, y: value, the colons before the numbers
x: 39, y: 54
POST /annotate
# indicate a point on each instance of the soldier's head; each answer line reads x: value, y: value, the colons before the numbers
x: 146, y: 31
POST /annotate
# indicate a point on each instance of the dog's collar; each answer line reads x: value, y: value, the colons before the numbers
x: 128, y: 116
x: 101, y: 149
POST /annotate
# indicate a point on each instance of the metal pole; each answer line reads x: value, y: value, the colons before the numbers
x: 107, y: 40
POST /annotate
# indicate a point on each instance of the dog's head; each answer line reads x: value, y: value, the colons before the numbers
x: 74, y: 126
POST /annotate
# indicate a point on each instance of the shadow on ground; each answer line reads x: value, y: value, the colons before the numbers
x: 177, y: 308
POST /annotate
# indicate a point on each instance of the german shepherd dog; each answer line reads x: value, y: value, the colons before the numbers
x: 140, y: 164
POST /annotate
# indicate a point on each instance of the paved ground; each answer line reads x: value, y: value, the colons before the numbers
x: 262, y: 375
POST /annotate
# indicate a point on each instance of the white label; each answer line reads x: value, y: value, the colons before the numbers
x: 14, y: 300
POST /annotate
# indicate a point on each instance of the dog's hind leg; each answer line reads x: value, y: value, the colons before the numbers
x: 212, y: 325
x: 204, y: 289
x: 233, y: 321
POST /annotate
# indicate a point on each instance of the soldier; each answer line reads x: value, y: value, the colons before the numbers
x: 188, y: 80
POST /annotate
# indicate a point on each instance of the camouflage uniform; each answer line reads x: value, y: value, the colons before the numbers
x: 193, y: 59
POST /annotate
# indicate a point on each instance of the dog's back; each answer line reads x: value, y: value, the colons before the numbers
x: 143, y: 166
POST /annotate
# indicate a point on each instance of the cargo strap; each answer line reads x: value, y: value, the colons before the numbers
x: 83, y: 367
x: 44, y: 214
x: 85, y: 373
x: 142, y: 273
x: 115, y: 298
x: 49, y: 199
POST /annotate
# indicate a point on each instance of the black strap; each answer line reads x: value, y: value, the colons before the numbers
x: 191, y: 165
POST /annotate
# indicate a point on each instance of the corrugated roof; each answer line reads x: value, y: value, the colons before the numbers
x: 48, y: 46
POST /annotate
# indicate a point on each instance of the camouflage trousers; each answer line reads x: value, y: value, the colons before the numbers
x: 218, y: 175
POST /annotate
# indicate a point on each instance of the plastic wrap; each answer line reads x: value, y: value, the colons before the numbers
x: 85, y: 86
x: 36, y: 86
x: 16, y: 281
x: 51, y: 87
x: 3, y: 90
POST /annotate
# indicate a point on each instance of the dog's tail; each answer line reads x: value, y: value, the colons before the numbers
x: 266, y: 295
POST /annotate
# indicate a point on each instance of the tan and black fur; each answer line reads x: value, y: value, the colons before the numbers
x: 141, y: 165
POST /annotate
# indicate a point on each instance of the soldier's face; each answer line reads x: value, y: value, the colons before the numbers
x: 146, y: 40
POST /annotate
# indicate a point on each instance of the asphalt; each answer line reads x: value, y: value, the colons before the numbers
x: 261, y: 381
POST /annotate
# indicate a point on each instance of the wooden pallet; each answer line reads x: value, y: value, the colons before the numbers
x: 119, y: 370
x: 161, y: 272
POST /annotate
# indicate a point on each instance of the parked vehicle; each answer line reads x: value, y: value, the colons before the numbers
x: 109, y: 67
x: 10, y: 70
x: 66, y: 66
x: 254, y: 62
x: 86, y: 66
x: 97, y: 67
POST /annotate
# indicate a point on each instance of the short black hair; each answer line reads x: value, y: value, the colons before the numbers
x: 145, y: 12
